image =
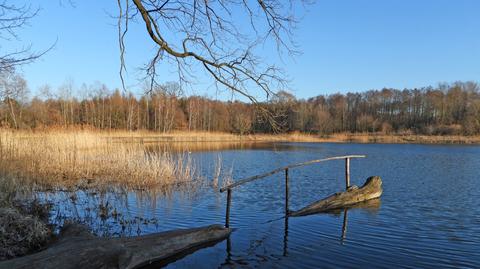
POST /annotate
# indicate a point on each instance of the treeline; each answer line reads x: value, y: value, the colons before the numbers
x: 446, y: 109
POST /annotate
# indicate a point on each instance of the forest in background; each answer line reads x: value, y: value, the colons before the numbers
x: 448, y: 109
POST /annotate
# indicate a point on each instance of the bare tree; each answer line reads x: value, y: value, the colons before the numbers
x: 224, y: 38
x: 12, y: 88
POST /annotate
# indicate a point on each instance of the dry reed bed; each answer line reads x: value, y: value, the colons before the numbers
x: 216, y: 137
x: 89, y: 157
x: 86, y: 159
x: 201, y: 137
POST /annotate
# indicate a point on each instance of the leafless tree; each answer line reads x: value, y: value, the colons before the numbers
x: 12, y: 88
x: 224, y: 38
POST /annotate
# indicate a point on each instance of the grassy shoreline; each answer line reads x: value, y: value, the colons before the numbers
x: 145, y: 137
x: 96, y: 158
x: 183, y: 136
x: 399, y: 139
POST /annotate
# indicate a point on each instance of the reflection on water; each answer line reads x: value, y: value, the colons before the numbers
x: 429, y: 215
x: 285, y: 237
x: 344, y: 226
x: 116, y: 212
x: 220, y: 146
x: 372, y: 206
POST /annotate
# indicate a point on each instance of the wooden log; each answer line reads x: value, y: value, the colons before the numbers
x: 370, y: 190
x: 77, y: 248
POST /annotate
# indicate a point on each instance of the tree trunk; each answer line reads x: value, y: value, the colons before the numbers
x: 77, y: 248
x: 370, y: 190
x: 12, y: 112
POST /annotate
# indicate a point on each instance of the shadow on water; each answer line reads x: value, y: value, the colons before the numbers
x: 179, y: 147
x: 370, y: 206
x: 183, y: 254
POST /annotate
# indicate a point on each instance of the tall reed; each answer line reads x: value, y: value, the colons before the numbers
x: 87, y: 158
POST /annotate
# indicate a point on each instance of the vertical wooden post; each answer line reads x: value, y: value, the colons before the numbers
x: 347, y: 173
x: 227, y: 213
x: 286, y: 192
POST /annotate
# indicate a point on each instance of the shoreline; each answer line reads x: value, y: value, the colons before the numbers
x: 362, y: 138
x: 146, y: 137
x: 401, y: 139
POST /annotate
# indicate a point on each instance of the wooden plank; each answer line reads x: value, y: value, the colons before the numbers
x: 253, y: 178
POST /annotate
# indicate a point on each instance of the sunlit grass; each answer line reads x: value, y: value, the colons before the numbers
x: 88, y: 158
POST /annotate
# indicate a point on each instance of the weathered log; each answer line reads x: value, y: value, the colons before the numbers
x: 370, y: 190
x: 77, y: 248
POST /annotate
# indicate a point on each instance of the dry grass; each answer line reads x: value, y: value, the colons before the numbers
x: 400, y: 138
x: 20, y: 233
x: 87, y: 159
x: 210, y: 137
x: 216, y: 139
x: 22, y: 221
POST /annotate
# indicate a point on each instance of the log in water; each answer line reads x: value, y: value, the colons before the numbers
x: 370, y: 190
x: 77, y: 248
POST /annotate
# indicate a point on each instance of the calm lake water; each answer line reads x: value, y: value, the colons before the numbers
x: 428, y: 216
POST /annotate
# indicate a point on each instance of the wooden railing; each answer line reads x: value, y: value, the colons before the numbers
x: 286, y: 168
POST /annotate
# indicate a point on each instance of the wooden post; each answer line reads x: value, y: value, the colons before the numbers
x: 227, y: 213
x: 286, y: 192
x: 347, y: 173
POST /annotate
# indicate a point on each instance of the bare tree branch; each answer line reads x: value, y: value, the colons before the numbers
x: 12, y: 18
x: 221, y: 37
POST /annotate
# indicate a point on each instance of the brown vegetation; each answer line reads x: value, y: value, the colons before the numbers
x: 20, y: 233
x: 88, y: 159
x: 23, y: 226
x: 399, y: 138
x: 446, y: 110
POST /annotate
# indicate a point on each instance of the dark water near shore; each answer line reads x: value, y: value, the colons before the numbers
x: 428, y: 216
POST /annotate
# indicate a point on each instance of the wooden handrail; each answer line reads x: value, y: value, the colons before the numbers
x: 253, y: 178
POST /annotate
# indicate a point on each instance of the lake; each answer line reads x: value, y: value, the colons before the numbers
x: 428, y: 215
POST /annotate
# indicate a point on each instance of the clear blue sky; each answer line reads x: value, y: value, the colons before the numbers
x: 348, y: 45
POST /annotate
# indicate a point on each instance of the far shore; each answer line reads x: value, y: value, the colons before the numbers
x: 143, y: 136
x: 398, y: 139
x: 200, y: 137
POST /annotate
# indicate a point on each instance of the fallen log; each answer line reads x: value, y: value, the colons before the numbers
x: 77, y: 248
x: 370, y: 190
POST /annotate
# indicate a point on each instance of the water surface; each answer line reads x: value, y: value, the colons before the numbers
x: 428, y: 216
